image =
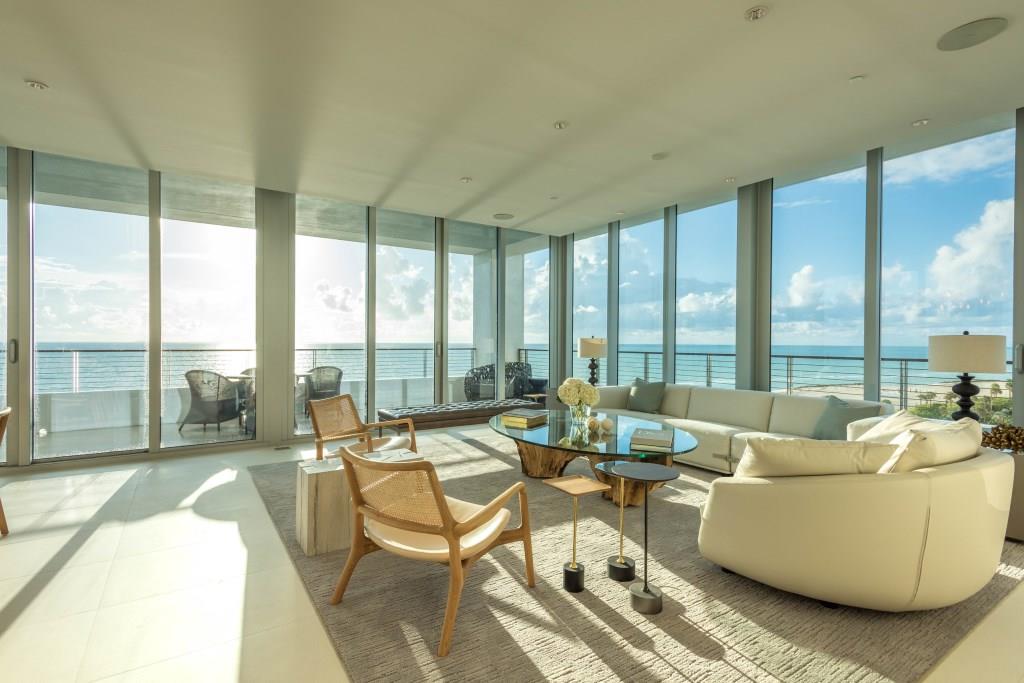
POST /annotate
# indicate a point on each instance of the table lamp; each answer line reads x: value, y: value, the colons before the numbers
x: 593, y: 348
x: 966, y: 353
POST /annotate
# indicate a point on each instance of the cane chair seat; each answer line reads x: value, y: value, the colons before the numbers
x: 433, y: 547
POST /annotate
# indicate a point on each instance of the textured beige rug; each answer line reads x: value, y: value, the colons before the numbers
x: 715, y: 626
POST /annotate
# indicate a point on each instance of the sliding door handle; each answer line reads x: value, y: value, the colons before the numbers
x: 12, y: 351
x: 1018, y: 359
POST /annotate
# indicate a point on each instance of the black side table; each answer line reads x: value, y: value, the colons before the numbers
x: 645, y: 598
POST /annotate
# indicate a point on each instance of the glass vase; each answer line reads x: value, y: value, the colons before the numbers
x: 579, y: 413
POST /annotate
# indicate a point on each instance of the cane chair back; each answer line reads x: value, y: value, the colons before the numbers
x: 335, y: 417
x: 404, y: 494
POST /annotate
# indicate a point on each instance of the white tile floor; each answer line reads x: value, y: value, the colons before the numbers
x: 171, y: 570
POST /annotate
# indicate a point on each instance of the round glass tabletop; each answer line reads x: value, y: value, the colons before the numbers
x: 560, y: 433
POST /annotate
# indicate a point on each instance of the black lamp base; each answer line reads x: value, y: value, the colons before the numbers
x: 966, y: 390
x: 621, y: 571
x: 572, y: 577
x: 593, y: 372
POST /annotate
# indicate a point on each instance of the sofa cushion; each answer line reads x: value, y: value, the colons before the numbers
x: 612, y: 397
x: 675, y: 401
x: 749, y: 409
x: 739, y: 441
x: 799, y: 457
x: 837, y: 415
x: 899, y: 422
x: 714, y: 441
x: 645, y: 396
x: 937, y: 445
x: 800, y: 414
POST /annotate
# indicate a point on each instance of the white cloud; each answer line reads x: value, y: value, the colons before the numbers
x: 702, y: 302
x: 795, y: 204
x: 977, y: 265
x: 803, y: 289
x: 586, y: 309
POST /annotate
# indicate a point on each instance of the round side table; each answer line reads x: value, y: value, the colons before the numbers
x: 645, y: 598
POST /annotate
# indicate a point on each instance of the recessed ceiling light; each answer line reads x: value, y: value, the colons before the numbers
x: 465, y: 179
x: 756, y: 13
x: 920, y: 122
x: 36, y: 85
x: 504, y: 216
x: 858, y: 78
x: 971, y: 34
x: 561, y: 125
x: 730, y: 180
x: 553, y: 197
x: 620, y: 213
x: 658, y: 156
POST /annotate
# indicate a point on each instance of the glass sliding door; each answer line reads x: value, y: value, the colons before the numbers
x: 706, y: 296
x: 641, y: 282
x: 208, y: 377
x: 527, y: 265
x: 947, y: 266
x: 472, y: 311
x: 404, y: 310
x: 818, y: 286
x: 90, y: 295
x: 589, y: 296
x: 330, y: 303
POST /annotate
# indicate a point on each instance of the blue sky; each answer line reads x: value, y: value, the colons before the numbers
x: 947, y: 246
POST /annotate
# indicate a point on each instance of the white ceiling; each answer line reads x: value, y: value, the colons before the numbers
x: 390, y: 102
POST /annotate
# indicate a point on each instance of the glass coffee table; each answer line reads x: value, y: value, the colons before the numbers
x: 545, y: 451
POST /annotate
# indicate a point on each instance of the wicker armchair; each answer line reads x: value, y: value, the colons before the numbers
x: 400, y: 507
x: 479, y: 382
x: 214, y: 399
x: 324, y: 382
x: 5, y: 415
x: 337, y: 418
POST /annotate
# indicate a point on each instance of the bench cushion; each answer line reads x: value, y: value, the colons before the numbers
x: 450, y: 414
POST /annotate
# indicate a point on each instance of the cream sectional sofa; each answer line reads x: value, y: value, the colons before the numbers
x: 723, y: 419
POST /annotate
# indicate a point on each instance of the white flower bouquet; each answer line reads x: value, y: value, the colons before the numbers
x: 579, y: 396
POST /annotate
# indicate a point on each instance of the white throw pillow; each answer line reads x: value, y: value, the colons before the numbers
x: 773, y: 457
x: 935, y: 445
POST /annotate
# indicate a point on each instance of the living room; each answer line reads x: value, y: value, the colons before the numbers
x: 461, y: 341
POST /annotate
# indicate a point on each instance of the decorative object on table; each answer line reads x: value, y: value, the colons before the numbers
x: 593, y: 348
x: 1004, y: 438
x: 600, y: 426
x: 579, y: 438
x: 654, y: 440
x: 620, y: 567
x: 645, y: 597
x: 576, y: 485
x: 400, y: 507
x: 524, y: 418
x: 966, y: 353
x: 580, y: 397
x: 337, y: 418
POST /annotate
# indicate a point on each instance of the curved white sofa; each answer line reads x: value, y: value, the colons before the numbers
x: 893, y: 542
x: 723, y: 419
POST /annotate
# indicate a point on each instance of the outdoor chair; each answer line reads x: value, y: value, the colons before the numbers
x: 214, y: 399
x: 324, y: 382
x: 479, y: 381
x: 337, y: 418
x: 400, y: 507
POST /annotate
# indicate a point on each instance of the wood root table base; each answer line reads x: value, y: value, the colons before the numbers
x: 634, y: 490
x: 543, y: 463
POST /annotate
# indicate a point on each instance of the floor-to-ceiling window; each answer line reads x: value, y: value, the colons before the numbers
x: 589, y: 295
x: 527, y: 267
x: 90, y: 296
x: 706, y: 296
x: 472, y: 311
x: 405, y: 310
x: 330, y: 303
x: 641, y: 295
x: 209, y: 377
x: 947, y: 266
x: 818, y: 286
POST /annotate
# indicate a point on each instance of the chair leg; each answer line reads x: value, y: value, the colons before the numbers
x: 3, y: 520
x: 456, y: 580
x: 355, y: 553
x: 524, y: 516
x: 180, y: 426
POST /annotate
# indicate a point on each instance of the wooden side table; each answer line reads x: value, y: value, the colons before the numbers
x: 323, y: 508
x: 575, y: 485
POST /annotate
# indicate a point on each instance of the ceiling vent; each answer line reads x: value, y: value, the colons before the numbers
x: 971, y: 34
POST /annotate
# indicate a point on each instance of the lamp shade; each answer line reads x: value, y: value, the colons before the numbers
x: 967, y: 353
x: 593, y: 347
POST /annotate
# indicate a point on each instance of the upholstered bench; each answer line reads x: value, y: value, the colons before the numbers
x: 454, y: 414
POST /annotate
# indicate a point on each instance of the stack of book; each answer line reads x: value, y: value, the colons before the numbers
x: 524, y: 418
x: 652, y: 440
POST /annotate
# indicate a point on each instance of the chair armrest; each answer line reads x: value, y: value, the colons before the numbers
x: 489, y: 510
x: 405, y: 421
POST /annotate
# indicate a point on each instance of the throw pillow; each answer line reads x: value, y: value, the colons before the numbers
x: 894, y: 425
x: 645, y: 397
x: 942, y: 445
x: 774, y: 457
x: 838, y: 413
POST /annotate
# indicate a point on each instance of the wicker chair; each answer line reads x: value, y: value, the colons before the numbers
x: 324, y: 382
x: 517, y: 381
x: 214, y: 399
x: 400, y: 507
x: 5, y: 416
x: 337, y: 418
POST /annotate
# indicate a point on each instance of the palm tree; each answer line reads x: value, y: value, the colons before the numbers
x: 927, y: 396
x: 950, y: 398
x: 995, y: 389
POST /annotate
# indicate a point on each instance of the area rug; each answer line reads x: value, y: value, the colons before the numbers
x: 714, y: 627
